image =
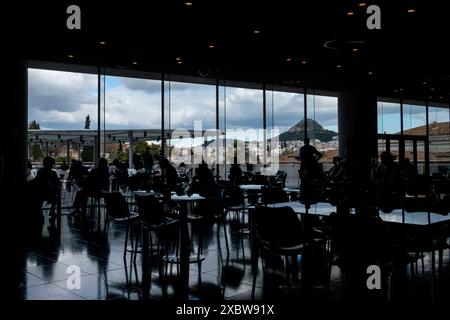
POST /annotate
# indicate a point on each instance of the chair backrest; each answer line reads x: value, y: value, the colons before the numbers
x: 278, y: 226
x: 150, y: 210
x: 233, y: 196
x: 116, y: 205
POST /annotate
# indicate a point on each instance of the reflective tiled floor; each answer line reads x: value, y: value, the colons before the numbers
x: 44, y: 272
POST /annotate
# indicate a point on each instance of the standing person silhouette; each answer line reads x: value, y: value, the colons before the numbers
x: 309, y: 157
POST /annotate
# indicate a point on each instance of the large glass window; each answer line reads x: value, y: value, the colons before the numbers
x: 322, y: 124
x: 414, y: 120
x: 389, y: 118
x: 62, y: 115
x: 191, y: 112
x: 285, y: 118
x: 131, y: 113
x: 244, y: 127
x: 439, y: 138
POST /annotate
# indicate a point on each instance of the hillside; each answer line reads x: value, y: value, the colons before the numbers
x: 436, y: 128
x: 315, y: 130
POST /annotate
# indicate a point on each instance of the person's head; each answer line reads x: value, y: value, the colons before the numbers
x: 48, y: 162
x: 102, y: 163
x: 386, y: 158
x: 164, y: 162
x: 116, y: 162
x: 147, y: 149
x: 306, y: 140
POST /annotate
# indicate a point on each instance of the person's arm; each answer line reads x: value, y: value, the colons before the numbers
x: 317, y: 153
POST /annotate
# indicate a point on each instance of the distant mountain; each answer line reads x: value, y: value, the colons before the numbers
x: 435, y: 128
x: 315, y: 130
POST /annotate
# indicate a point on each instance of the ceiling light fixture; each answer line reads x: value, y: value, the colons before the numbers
x: 412, y: 10
x: 70, y: 56
x: 288, y: 59
x: 303, y: 61
x: 424, y: 83
x: 178, y: 58
x: 135, y: 62
x: 339, y: 66
x: 370, y: 73
x: 211, y: 46
x: 179, y: 62
x: 256, y: 31
x: 355, y: 49
x: 188, y: 3
x: 350, y: 13
x: 102, y: 43
x: 362, y: 4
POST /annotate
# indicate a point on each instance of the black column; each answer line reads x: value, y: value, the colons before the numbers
x: 13, y: 154
x: 357, y: 112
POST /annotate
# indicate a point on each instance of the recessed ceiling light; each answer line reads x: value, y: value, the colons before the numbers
x: 256, y: 31
x: 396, y: 90
x: 339, y: 66
x: 432, y: 89
x: 188, y: 3
x: 70, y: 55
x: 430, y: 97
x: 135, y: 62
x: 102, y: 43
x: 303, y: 61
x: 370, y: 72
x: 179, y: 62
x: 178, y: 58
x: 441, y: 98
x: 288, y: 59
x: 412, y: 10
x: 355, y: 49
x: 361, y: 4
x: 350, y: 13
x: 424, y: 83
x: 211, y: 46
x: 401, y: 89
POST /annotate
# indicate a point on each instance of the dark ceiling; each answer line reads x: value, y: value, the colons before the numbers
x: 276, y: 42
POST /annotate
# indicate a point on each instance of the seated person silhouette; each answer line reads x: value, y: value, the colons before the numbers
x: 97, y: 181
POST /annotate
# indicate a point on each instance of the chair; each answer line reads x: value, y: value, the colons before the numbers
x: 153, y: 219
x: 118, y: 212
x: 278, y: 232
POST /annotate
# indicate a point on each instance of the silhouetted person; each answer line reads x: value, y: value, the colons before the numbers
x: 235, y: 173
x: 407, y: 169
x: 137, y: 161
x: 169, y: 174
x: 148, y: 161
x: 49, y: 182
x: 309, y: 156
x: 203, y: 180
x: 387, y: 174
x: 64, y: 166
x: 97, y: 181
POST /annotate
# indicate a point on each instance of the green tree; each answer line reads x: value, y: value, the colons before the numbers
x: 34, y: 125
x: 139, y: 146
x: 87, y: 155
x: 36, y: 153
